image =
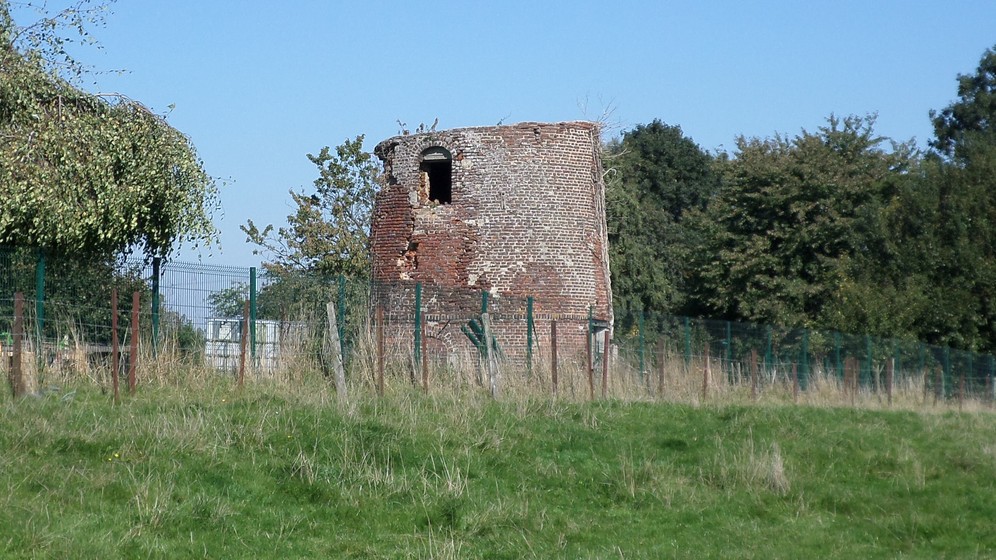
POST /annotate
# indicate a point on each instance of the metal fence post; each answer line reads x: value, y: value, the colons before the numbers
x: 243, y: 340
x: 39, y: 304
x: 156, y: 271
x: 252, y: 314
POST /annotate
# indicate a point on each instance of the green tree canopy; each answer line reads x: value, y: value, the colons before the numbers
x: 971, y: 120
x: 957, y: 203
x: 329, y: 232
x: 775, y: 244
x: 654, y: 176
x: 90, y: 174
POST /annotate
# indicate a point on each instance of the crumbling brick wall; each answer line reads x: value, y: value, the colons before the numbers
x: 525, y: 217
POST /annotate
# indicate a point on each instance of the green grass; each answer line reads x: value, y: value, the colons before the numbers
x: 270, y: 472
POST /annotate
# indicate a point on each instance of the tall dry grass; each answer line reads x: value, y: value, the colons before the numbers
x: 302, y: 366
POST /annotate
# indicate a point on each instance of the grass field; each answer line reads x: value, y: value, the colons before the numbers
x: 281, y: 471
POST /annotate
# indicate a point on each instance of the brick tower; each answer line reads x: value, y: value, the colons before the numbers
x: 514, y: 211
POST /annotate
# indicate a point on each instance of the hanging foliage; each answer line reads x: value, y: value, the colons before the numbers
x: 90, y: 174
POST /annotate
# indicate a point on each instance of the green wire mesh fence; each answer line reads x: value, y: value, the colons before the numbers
x: 199, y: 314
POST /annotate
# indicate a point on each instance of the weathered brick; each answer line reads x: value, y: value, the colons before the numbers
x: 526, y: 218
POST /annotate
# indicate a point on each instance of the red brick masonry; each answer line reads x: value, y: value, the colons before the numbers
x: 526, y: 217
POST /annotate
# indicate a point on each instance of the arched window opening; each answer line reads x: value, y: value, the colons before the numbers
x: 437, y: 173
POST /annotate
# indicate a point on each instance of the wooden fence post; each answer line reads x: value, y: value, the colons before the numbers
x: 961, y: 389
x: 135, y: 333
x: 706, y: 373
x: 989, y: 390
x: 492, y: 359
x: 938, y: 384
x: 855, y: 380
x: 379, y: 381
x: 660, y: 367
x: 890, y: 372
x: 795, y: 383
x: 753, y: 374
x: 115, y: 349
x: 553, y: 355
x: 333, y: 349
x: 16, y: 371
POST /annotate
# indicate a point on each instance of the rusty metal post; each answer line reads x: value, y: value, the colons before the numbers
x: 133, y: 353
x: 16, y: 372
x: 553, y: 355
x: 244, y: 343
x: 605, y: 366
x: 115, y: 350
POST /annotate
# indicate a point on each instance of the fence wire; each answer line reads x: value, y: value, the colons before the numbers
x: 201, y: 315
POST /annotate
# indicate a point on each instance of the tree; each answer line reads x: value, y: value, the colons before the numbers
x: 655, y: 175
x: 972, y: 119
x: 777, y: 243
x: 329, y: 231
x: 88, y: 174
x: 959, y: 243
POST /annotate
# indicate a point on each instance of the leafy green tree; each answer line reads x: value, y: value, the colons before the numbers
x: 329, y: 231
x: 86, y: 174
x: 287, y: 296
x: 229, y: 303
x: 971, y: 120
x: 955, y: 208
x: 776, y: 244
x: 654, y: 176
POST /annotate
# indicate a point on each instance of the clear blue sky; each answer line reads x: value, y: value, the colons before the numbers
x: 257, y: 85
